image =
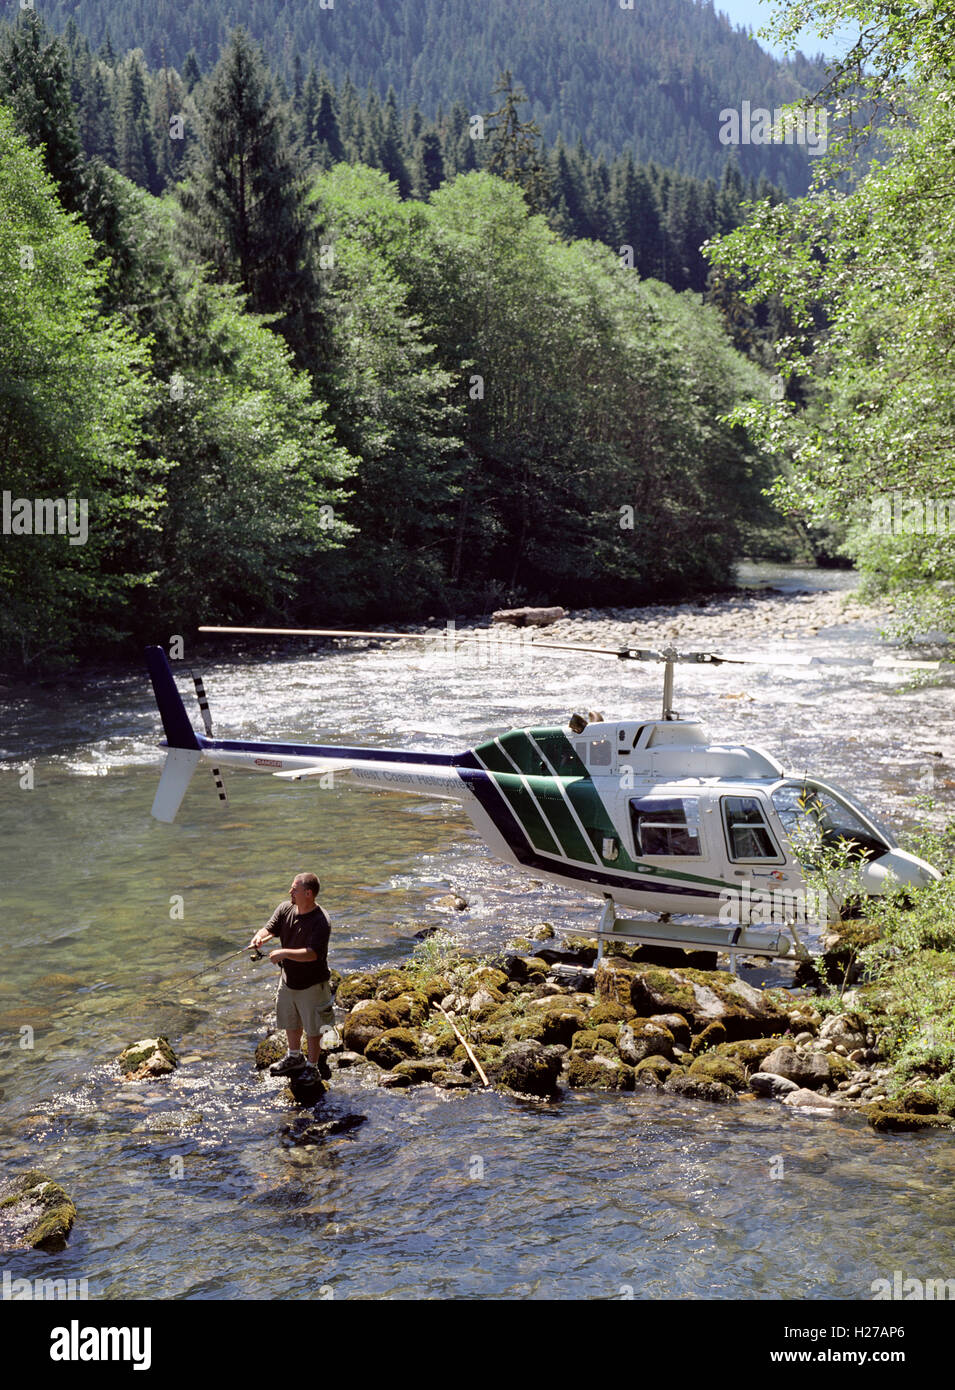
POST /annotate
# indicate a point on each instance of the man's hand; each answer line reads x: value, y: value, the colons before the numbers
x: 260, y: 938
x: 277, y: 955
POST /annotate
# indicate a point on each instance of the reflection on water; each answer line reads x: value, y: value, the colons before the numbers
x: 106, y: 913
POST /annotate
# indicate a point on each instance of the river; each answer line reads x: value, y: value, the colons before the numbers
x: 187, y: 1189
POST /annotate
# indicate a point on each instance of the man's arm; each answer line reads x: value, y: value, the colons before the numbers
x: 301, y: 953
x: 269, y: 931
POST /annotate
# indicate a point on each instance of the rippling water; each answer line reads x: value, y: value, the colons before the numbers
x: 437, y: 1194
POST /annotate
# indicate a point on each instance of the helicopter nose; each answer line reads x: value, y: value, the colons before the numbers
x: 896, y: 868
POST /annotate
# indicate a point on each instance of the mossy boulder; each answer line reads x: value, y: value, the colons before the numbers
x: 269, y: 1050
x: 435, y: 988
x: 420, y: 1069
x: 389, y: 1048
x: 594, y: 1071
x: 654, y: 1071
x: 38, y: 1213
x: 699, y: 1088
x: 543, y: 932
x: 412, y: 1008
x: 917, y: 1098
x: 368, y: 1019
x: 887, y: 1120
x: 551, y: 1020
x: 707, y: 996
x: 711, y: 1036
x: 450, y: 1081
x: 677, y: 1025
x: 609, y: 1011
x: 528, y: 1067
x: 527, y: 968
x: 355, y: 987
x: 484, y: 1003
x: 591, y: 1040
x: 486, y: 977
x: 150, y: 1057
x: 641, y: 1039
x: 748, y: 1052
x: 614, y: 981
x: 713, y: 1068
x: 390, y: 983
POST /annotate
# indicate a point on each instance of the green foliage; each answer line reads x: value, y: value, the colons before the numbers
x: 245, y: 208
x: 71, y: 397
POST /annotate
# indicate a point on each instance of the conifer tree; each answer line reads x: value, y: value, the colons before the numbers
x: 514, y: 152
x: 245, y: 207
x: 35, y: 84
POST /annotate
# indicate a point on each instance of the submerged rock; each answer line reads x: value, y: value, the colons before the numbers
x: 37, y: 1212
x: 148, y: 1058
x: 315, y: 1131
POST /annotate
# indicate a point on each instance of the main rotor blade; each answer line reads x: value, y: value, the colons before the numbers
x: 620, y: 653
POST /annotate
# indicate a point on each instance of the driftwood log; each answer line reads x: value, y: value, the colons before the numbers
x: 528, y: 617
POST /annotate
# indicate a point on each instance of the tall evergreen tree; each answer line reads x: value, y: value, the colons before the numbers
x: 35, y: 84
x: 245, y: 207
x: 514, y: 152
x: 137, y: 151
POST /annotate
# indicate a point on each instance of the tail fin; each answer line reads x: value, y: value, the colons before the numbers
x: 175, y: 721
x: 184, y: 749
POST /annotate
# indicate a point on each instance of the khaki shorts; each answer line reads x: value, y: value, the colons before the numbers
x: 310, y: 1008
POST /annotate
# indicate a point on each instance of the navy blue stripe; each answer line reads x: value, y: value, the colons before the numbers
x: 309, y: 750
x: 493, y: 802
x: 179, y: 732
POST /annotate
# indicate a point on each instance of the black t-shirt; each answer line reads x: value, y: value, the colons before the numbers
x: 295, y: 930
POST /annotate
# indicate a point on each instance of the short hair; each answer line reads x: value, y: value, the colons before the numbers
x: 310, y: 882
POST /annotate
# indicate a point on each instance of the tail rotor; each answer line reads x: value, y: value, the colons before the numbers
x: 207, y: 725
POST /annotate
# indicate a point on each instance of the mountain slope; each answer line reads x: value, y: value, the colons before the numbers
x: 653, y: 78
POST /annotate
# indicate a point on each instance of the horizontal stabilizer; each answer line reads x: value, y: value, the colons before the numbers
x: 181, y: 763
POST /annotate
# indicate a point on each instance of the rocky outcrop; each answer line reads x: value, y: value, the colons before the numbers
x: 701, y: 997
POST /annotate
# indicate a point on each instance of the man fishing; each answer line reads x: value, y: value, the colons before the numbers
x: 304, y: 999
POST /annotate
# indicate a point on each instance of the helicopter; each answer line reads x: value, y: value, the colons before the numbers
x: 647, y: 815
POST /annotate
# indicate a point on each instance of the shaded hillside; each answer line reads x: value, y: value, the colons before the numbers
x: 653, y: 79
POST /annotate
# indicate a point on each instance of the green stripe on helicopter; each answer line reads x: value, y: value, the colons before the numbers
x: 557, y: 791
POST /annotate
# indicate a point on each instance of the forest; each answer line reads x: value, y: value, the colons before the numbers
x: 287, y: 392
x: 650, y: 77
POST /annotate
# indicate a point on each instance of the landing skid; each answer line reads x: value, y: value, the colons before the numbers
x: 732, y: 941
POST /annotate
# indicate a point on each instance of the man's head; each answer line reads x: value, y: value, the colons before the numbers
x: 304, y: 891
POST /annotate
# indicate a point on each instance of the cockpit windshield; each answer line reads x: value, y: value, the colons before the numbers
x: 818, y: 817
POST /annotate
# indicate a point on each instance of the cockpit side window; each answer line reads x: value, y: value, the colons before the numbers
x: 747, y: 834
x: 666, y: 826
